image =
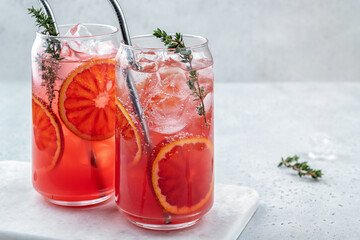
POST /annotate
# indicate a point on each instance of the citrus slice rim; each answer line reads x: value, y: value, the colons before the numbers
x: 137, y: 136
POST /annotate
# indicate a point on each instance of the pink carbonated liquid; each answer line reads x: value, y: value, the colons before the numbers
x: 184, y: 192
x: 73, y: 138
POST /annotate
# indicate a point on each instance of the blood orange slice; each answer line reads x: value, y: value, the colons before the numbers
x: 182, y: 175
x: 126, y: 128
x: 87, y: 101
x: 48, y: 135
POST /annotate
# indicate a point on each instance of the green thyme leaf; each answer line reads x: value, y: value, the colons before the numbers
x: 49, y: 61
x: 302, y: 168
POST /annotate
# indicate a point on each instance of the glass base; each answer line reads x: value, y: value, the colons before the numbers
x: 160, y: 224
x: 165, y: 227
x: 79, y: 203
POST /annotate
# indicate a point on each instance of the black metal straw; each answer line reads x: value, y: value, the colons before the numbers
x: 49, y: 13
x: 134, y: 97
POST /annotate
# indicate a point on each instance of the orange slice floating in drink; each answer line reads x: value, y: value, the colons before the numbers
x: 182, y: 175
x: 48, y: 134
x: 130, y: 135
x: 87, y: 100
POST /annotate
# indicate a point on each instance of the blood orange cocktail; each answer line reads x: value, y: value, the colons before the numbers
x: 73, y: 112
x: 169, y: 184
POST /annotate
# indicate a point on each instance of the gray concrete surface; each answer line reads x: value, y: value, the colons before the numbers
x: 255, y: 125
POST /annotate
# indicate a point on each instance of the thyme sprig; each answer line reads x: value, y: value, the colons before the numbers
x: 43, y: 21
x: 302, y: 168
x: 176, y: 43
x: 49, y: 60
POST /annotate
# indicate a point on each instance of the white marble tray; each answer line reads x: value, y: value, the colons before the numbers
x: 24, y: 214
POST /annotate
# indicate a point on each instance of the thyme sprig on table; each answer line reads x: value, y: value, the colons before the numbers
x: 176, y: 43
x: 49, y: 60
x: 302, y: 168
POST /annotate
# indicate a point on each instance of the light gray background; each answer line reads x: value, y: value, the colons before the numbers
x: 251, y: 40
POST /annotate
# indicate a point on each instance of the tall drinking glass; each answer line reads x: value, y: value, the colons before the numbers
x: 170, y: 184
x: 73, y: 113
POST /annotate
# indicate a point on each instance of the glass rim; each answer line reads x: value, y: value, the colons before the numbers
x: 203, y: 44
x: 114, y: 30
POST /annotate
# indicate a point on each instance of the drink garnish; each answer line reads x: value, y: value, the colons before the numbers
x: 129, y: 133
x: 302, y: 168
x: 48, y: 134
x: 176, y: 44
x: 87, y: 100
x: 49, y: 60
x: 180, y: 177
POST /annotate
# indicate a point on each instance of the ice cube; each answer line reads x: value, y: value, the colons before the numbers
x: 147, y: 61
x: 208, y: 101
x: 171, y: 59
x: 68, y: 53
x: 78, y: 30
x: 191, y: 106
x: 201, y: 62
x: 173, y: 81
x: 104, y: 48
x: 324, y: 147
x: 165, y: 102
x: 80, y: 45
x: 165, y: 113
x: 85, y: 47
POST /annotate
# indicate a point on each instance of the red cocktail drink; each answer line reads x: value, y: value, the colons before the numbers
x: 168, y: 184
x: 73, y: 108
